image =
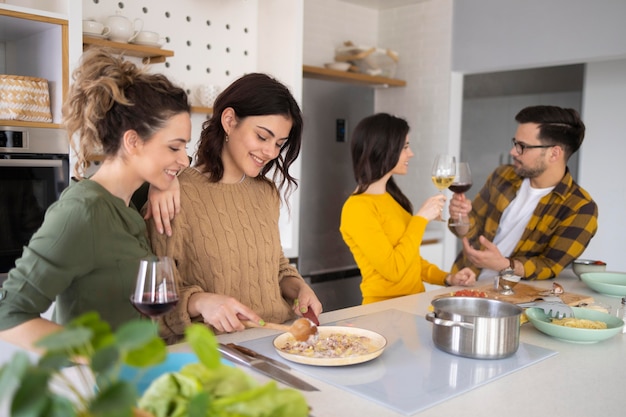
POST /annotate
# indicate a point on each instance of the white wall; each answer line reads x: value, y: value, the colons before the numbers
x: 422, y: 35
x: 604, y: 107
x: 492, y: 35
x: 330, y: 23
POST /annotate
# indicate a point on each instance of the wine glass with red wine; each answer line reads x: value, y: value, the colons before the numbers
x: 155, y: 290
x: 461, y: 183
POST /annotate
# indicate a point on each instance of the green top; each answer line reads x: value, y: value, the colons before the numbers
x: 85, y: 257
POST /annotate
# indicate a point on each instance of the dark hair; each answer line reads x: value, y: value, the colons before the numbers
x: 110, y: 96
x: 376, y: 144
x: 252, y: 95
x: 557, y: 126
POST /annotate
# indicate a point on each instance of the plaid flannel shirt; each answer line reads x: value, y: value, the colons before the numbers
x: 558, y: 232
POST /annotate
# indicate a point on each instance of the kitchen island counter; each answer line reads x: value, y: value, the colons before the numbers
x: 580, y: 380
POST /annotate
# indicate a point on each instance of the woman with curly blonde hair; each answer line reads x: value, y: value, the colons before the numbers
x: 86, y: 253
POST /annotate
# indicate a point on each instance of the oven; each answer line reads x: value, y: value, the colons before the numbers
x: 34, y: 170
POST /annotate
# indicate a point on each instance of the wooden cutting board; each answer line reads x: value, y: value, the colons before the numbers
x: 525, y: 293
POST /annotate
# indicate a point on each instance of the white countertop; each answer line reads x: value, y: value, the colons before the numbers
x: 581, y: 380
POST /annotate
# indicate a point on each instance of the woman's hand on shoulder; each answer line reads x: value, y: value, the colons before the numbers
x: 222, y: 312
x: 162, y: 206
x: 432, y: 207
x: 465, y: 277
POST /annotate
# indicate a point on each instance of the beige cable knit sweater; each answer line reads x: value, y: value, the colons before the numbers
x: 226, y: 240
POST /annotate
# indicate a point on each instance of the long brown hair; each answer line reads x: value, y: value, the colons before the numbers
x: 376, y: 144
x: 110, y: 96
x: 252, y: 95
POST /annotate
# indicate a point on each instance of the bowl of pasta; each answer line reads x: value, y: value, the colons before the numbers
x: 587, y: 326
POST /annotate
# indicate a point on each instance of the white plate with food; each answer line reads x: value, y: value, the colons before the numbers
x: 334, y: 346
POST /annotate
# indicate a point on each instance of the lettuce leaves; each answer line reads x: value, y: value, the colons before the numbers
x: 212, y: 389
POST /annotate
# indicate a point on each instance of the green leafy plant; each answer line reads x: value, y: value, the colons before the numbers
x: 87, y: 340
x: 205, y: 389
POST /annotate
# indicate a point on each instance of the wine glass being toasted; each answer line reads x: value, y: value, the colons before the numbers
x: 155, y: 290
x: 462, y: 183
x: 443, y: 172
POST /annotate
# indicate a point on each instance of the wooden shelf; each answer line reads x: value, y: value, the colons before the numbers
x: 325, y: 74
x: 150, y: 54
x: 201, y: 109
x: 21, y: 123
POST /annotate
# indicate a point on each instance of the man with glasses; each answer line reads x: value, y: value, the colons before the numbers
x: 531, y: 218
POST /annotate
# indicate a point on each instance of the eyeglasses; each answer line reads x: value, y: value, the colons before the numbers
x: 520, y: 147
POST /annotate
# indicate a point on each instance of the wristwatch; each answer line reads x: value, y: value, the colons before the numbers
x: 510, y: 270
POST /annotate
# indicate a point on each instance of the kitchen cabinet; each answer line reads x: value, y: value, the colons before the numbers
x: 36, y: 45
x: 325, y: 74
x: 150, y: 54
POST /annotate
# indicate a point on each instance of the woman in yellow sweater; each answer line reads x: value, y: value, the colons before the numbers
x: 377, y: 222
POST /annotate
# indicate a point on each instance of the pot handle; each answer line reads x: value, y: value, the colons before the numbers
x: 449, y: 323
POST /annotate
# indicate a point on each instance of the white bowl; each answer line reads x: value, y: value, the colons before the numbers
x: 580, y: 266
x: 147, y: 37
x: 338, y: 66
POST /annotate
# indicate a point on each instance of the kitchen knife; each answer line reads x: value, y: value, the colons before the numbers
x: 257, y: 355
x: 311, y: 316
x: 265, y: 368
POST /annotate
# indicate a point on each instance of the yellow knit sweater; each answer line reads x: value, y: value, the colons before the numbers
x: 385, y: 242
x: 226, y: 240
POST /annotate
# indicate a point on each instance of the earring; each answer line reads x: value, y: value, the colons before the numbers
x: 226, y: 139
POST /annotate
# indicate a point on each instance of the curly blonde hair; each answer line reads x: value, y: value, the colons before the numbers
x: 110, y: 96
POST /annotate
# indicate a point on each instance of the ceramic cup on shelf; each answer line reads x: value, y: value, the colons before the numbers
x: 148, y: 38
x: 207, y: 93
x: 94, y: 28
x: 122, y: 29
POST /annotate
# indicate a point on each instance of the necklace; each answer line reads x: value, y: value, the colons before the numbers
x: 242, y: 178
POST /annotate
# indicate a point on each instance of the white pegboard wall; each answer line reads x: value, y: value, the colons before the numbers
x: 214, y: 41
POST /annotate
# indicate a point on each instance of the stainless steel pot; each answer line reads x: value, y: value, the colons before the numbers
x: 478, y: 328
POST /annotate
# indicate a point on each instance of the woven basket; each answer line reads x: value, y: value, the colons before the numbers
x: 24, y: 98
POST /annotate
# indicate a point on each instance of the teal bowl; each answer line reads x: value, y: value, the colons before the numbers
x: 543, y: 323
x: 608, y: 283
x: 143, y: 377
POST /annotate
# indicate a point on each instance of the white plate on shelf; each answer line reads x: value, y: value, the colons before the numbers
x: 377, y: 344
x: 151, y: 44
x: 94, y: 35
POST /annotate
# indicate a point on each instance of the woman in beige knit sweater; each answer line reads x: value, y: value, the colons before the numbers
x: 225, y: 240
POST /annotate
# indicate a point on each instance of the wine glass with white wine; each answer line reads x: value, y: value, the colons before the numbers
x: 443, y: 173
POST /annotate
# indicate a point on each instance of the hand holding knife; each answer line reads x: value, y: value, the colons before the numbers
x: 311, y: 316
x: 308, y: 313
